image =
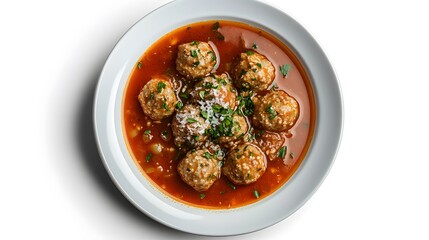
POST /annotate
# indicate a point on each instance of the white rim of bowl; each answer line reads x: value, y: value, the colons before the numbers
x: 270, y: 210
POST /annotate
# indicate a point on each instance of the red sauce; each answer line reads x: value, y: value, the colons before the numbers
x: 159, y: 59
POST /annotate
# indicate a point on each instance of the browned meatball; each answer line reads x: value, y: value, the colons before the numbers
x: 189, y: 127
x: 199, y: 169
x: 216, y: 90
x: 269, y: 142
x: 195, y: 59
x: 238, y: 131
x: 253, y: 72
x: 158, y: 99
x: 276, y: 111
x: 244, y: 164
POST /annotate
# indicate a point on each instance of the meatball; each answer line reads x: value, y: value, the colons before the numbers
x: 238, y: 130
x: 195, y: 59
x: 244, y: 164
x: 269, y: 142
x: 199, y: 169
x: 189, y: 127
x: 276, y: 111
x: 253, y: 72
x: 215, y: 89
x: 157, y: 98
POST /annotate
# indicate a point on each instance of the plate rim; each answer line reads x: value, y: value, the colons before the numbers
x: 120, y: 185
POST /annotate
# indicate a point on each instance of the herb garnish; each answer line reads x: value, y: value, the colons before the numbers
x: 179, y: 105
x: 215, y: 29
x: 213, y: 56
x: 192, y: 120
x: 204, y: 114
x: 201, y: 94
x: 282, y: 152
x: 255, y: 46
x: 231, y: 185
x: 208, y: 155
x: 161, y: 85
x: 249, y: 53
x: 256, y: 193
x: 194, y: 53
x: 284, y: 69
x: 196, y: 63
x: 165, y: 106
x: 147, y: 132
x: 202, y: 196
x: 149, y: 157
x: 139, y: 65
x: 183, y: 95
x: 271, y: 111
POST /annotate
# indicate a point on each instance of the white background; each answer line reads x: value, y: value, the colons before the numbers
x: 52, y: 182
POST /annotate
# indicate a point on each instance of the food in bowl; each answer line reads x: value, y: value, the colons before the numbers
x: 218, y: 114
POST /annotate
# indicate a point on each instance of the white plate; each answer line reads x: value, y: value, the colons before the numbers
x: 138, y: 190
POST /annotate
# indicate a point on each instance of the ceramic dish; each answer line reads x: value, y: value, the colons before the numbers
x: 147, y: 198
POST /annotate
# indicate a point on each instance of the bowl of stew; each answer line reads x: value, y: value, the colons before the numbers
x: 218, y: 121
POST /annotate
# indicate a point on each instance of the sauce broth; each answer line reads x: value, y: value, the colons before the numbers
x: 159, y: 60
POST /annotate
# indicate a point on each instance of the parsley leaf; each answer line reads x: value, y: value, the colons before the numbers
x: 161, y: 85
x: 191, y: 120
x: 282, y: 152
x: 284, y: 69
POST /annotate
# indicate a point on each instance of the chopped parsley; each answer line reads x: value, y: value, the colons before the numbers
x: 192, y: 120
x: 147, y: 132
x: 282, y: 152
x: 215, y: 26
x: 256, y: 193
x: 284, y: 69
x: 161, y: 85
x: 231, y: 185
x: 255, y: 46
x: 213, y: 56
x: 246, y: 104
x: 193, y: 43
x: 243, y: 72
x: 139, y: 65
x: 176, y: 157
x: 259, y: 65
x: 165, y: 106
x: 222, y: 81
x: 179, y: 105
x: 208, y: 155
x: 249, y: 53
x: 215, y: 29
x: 204, y: 114
x: 274, y: 87
x: 149, y: 157
x: 202, y: 196
x: 196, y: 63
x: 271, y: 112
x: 194, y: 53
x: 183, y: 95
x: 201, y: 94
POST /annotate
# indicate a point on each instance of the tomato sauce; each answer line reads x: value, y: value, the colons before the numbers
x: 160, y: 168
